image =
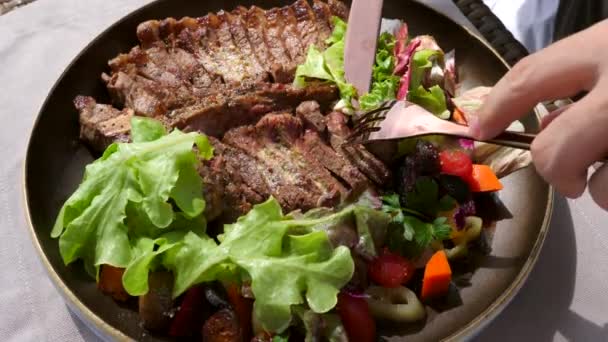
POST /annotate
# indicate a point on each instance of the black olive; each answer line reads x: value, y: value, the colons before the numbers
x: 456, y: 188
x: 406, y: 177
x: 426, y: 157
x: 216, y: 296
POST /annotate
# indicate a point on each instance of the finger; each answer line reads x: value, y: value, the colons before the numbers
x: 547, y: 119
x: 565, y: 149
x: 598, y: 186
x: 555, y: 72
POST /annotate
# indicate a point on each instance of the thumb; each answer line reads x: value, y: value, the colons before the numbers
x: 552, y: 73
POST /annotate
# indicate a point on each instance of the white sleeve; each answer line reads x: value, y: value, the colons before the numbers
x: 532, y: 22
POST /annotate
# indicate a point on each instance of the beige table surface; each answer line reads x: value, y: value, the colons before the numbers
x: 565, y: 298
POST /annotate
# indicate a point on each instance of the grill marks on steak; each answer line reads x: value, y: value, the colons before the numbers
x: 358, y: 155
x: 101, y: 125
x: 305, y: 23
x: 222, y: 74
x: 238, y: 29
x: 216, y: 114
x: 323, y: 16
x: 294, y: 164
x: 297, y: 181
x: 180, y: 61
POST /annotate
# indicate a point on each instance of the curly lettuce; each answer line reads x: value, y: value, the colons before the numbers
x: 328, y: 65
x: 261, y: 247
x: 384, y: 82
x: 140, y: 179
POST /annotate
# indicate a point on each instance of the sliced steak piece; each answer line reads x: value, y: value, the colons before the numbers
x: 203, y: 42
x: 315, y: 148
x: 137, y: 93
x: 288, y: 131
x: 290, y: 187
x: 243, y: 45
x: 274, y: 30
x: 305, y: 23
x: 323, y: 23
x: 296, y: 182
x: 148, y: 32
x: 211, y: 171
x: 182, y: 63
x: 358, y: 155
x: 100, y: 124
x: 221, y: 48
x: 291, y: 36
x: 337, y: 125
x: 288, y: 96
x: 240, y: 65
x: 243, y: 185
x: 190, y: 69
x: 310, y: 113
x: 157, y: 65
x: 339, y: 9
x: 282, y: 69
x: 216, y: 114
x: 257, y: 37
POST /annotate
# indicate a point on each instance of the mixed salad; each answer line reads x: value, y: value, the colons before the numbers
x: 136, y: 221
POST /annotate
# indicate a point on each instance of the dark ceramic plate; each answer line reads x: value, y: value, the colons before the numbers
x: 56, y: 159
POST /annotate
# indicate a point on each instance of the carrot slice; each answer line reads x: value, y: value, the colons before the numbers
x: 243, y: 308
x: 459, y: 117
x: 110, y: 282
x: 437, y: 277
x: 483, y: 179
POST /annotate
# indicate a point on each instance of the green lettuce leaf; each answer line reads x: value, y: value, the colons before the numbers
x: 339, y: 32
x: 384, y: 83
x: 261, y: 247
x: 144, y: 176
x: 421, y: 62
x: 328, y: 65
x: 432, y: 100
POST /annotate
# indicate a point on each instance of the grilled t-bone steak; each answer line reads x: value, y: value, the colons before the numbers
x: 280, y: 157
x: 228, y: 75
x: 181, y: 61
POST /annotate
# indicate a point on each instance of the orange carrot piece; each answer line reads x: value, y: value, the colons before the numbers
x: 110, y: 282
x: 243, y: 308
x: 483, y: 179
x: 437, y: 277
x: 459, y: 117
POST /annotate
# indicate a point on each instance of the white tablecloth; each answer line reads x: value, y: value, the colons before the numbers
x: 566, y: 297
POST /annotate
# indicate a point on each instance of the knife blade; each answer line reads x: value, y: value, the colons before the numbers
x: 361, y: 39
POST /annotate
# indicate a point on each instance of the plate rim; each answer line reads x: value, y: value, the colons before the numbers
x: 103, y: 330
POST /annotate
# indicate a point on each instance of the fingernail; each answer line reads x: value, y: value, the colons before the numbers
x: 474, y: 128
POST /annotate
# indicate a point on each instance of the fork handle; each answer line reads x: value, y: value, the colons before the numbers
x: 513, y: 139
x: 518, y: 140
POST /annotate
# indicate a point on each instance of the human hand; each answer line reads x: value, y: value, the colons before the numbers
x: 573, y: 137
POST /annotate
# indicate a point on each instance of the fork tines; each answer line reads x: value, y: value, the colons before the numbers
x: 367, y: 123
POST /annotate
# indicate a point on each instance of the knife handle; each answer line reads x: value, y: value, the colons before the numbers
x: 361, y: 39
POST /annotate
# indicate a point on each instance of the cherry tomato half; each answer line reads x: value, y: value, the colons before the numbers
x: 391, y: 270
x: 356, y: 318
x: 456, y: 163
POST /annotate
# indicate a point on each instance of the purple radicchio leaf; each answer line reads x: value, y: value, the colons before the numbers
x: 464, y: 210
x: 404, y: 64
x: 451, y: 75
